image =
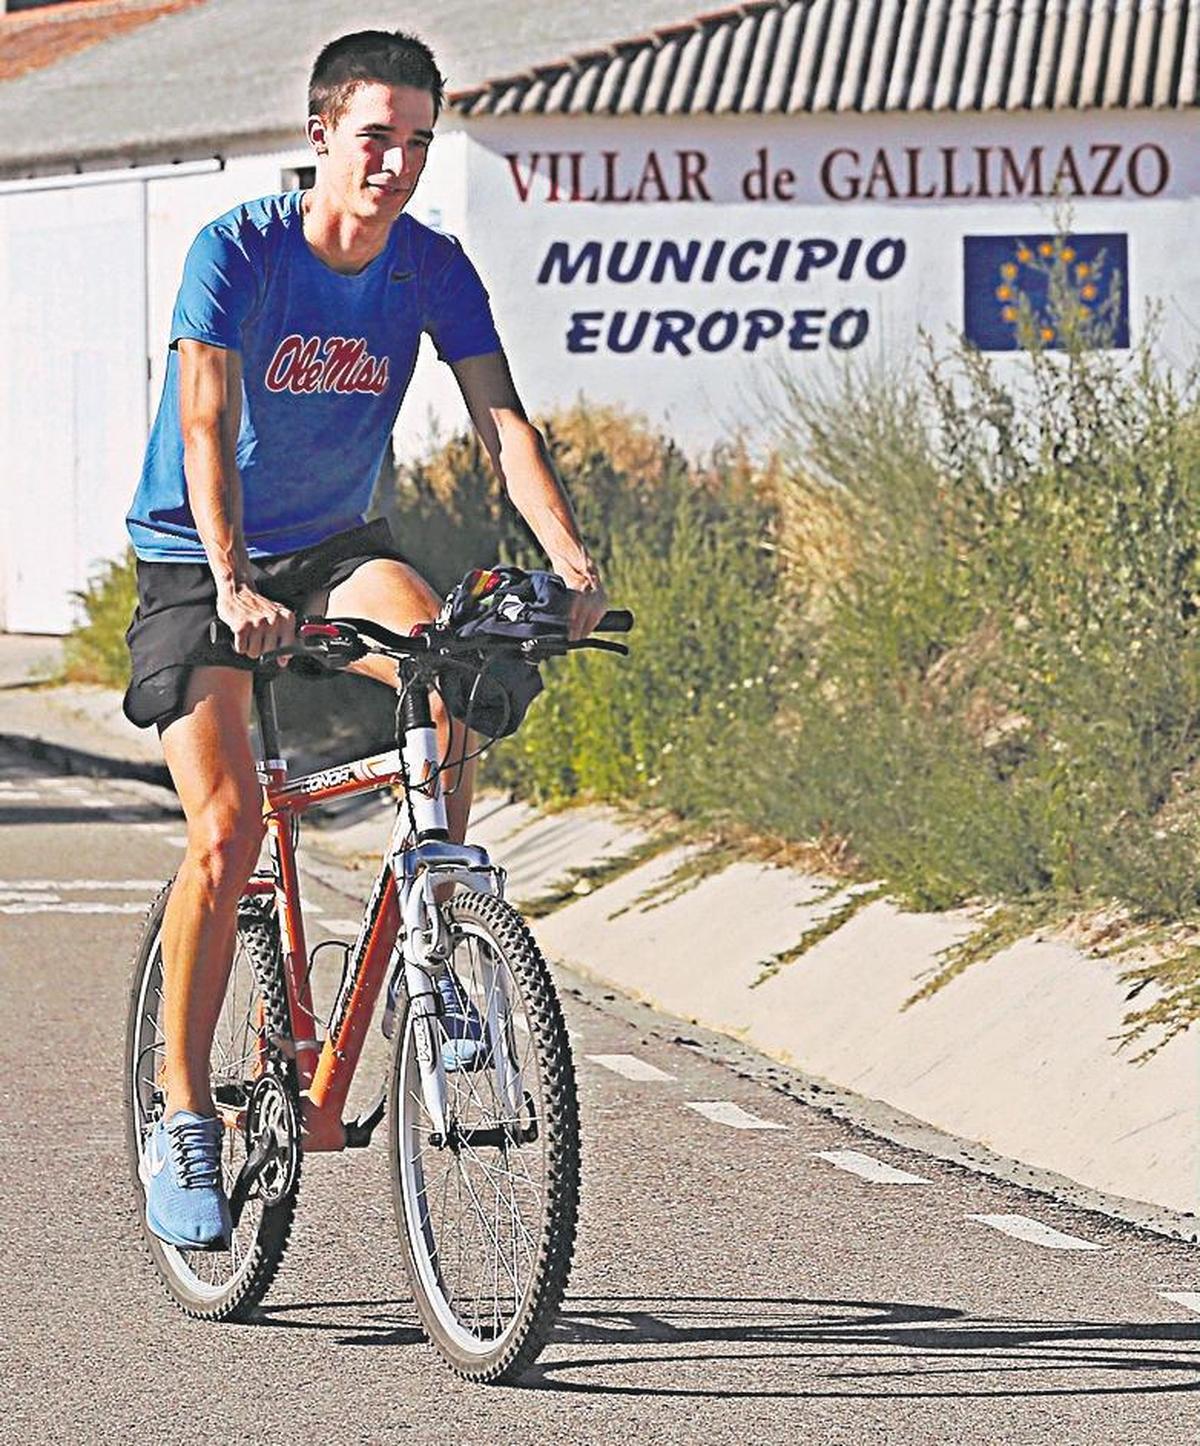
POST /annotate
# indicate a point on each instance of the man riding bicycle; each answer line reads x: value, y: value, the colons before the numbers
x: 293, y: 340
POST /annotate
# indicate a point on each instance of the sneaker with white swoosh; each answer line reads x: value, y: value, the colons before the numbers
x: 181, y: 1172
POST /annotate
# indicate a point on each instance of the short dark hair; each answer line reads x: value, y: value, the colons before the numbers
x: 389, y: 57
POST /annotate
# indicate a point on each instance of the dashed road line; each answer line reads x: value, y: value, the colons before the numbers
x: 725, y: 1112
x: 74, y: 906
x: 44, y: 896
x: 79, y: 799
x: 868, y: 1168
x: 1189, y: 1299
x: 1021, y: 1227
x: 629, y: 1066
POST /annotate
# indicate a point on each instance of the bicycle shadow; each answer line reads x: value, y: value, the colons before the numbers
x: 893, y: 1341
x: 846, y: 1348
x: 375, y: 1322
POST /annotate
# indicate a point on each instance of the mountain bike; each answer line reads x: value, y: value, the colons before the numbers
x: 484, y: 1157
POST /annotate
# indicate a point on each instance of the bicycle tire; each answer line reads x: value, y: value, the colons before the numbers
x: 212, y: 1285
x: 503, y: 1349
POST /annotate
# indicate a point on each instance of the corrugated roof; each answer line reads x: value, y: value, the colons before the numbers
x: 228, y: 73
x: 785, y: 56
x: 33, y: 39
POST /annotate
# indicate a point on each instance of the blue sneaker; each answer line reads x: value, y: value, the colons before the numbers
x: 465, y: 1046
x: 181, y: 1171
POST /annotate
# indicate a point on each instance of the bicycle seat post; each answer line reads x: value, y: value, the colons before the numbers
x: 272, y: 763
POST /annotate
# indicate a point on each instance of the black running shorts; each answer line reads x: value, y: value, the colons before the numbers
x: 177, y: 601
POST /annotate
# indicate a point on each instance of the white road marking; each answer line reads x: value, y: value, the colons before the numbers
x: 77, y: 798
x: 19, y: 796
x: 179, y: 840
x: 1189, y: 1299
x: 868, y: 1168
x: 136, y: 886
x: 313, y: 910
x: 76, y: 907
x: 1021, y: 1227
x: 628, y: 1066
x: 725, y: 1112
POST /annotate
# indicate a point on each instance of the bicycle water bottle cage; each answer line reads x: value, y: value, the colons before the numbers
x: 501, y: 605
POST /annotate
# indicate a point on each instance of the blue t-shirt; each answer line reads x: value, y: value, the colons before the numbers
x: 326, y: 360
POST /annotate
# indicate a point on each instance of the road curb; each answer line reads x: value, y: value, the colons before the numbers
x: 80, y: 761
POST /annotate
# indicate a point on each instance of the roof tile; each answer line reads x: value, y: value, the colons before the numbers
x: 889, y: 55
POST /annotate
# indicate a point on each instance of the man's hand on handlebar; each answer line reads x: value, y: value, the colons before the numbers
x: 587, y: 608
x: 589, y: 601
x: 258, y: 625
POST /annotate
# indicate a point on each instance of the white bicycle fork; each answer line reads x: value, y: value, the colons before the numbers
x: 418, y: 869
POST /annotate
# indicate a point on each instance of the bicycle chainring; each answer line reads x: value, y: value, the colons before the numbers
x: 273, y: 1139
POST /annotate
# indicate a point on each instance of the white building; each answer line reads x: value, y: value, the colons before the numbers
x: 660, y: 214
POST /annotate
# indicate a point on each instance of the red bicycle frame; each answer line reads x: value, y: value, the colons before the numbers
x: 326, y: 1068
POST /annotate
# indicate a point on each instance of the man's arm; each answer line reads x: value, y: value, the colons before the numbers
x: 210, y: 400
x: 518, y: 453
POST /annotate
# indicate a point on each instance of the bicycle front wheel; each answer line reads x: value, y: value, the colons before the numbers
x: 487, y: 1209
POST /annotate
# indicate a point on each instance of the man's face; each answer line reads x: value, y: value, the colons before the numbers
x: 375, y: 151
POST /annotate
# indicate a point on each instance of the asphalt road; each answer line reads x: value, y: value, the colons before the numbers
x: 732, y: 1284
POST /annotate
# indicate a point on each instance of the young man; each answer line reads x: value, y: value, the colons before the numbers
x: 293, y: 340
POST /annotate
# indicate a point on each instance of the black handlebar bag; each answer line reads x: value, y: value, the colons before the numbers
x: 500, y: 604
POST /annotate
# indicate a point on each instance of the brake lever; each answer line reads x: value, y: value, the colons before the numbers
x: 539, y: 649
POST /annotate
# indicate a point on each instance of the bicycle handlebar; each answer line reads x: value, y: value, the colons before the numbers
x: 350, y: 633
x: 616, y: 620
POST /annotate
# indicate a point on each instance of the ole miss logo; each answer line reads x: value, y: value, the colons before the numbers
x: 305, y: 364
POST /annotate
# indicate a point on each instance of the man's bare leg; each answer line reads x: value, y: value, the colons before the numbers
x: 394, y: 594
x: 208, y: 752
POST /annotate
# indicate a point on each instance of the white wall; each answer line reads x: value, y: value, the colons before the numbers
x: 72, y: 392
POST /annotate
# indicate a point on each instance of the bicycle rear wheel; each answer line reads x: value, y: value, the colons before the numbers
x: 487, y: 1214
x: 223, y: 1284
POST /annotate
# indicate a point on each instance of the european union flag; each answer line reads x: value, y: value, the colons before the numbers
x: 999, y: 270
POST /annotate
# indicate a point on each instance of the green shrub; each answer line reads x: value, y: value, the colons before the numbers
x: 94, y: 651
x: 688, y: 548
x: 1003, y: 680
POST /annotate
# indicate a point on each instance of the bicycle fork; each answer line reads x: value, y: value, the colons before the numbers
x: 424, y: 948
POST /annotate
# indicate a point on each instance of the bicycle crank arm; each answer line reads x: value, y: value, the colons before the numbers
x: 255, y: 1163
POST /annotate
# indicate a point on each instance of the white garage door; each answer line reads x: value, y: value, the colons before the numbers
x: 72, y: 391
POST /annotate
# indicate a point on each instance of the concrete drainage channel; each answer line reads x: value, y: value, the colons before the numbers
x: 1011, y: 1070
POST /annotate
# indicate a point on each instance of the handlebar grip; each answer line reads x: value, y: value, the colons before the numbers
x: 616, y: 620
